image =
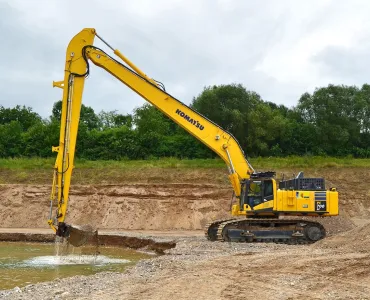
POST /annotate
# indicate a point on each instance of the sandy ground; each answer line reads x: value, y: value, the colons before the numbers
x: 335, y: 268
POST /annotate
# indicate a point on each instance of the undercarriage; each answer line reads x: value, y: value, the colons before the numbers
x: 284, y: 231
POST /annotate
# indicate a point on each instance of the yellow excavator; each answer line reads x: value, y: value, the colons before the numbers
x: 262, y: 204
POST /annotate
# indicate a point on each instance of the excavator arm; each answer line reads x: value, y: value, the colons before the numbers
x: 79, y: 52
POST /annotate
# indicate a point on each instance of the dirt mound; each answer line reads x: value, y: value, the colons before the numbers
x: 335, y: 225
x: 357, y: 239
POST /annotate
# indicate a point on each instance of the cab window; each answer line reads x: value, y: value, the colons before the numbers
x: 255, y: 193
x: 268, y: 190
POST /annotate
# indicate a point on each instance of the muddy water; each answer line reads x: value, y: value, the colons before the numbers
x: 27, y: 263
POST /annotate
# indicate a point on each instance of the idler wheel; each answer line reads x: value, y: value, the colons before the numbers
x: 314, y: 233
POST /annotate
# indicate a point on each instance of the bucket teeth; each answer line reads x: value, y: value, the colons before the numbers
x: 63, y: 230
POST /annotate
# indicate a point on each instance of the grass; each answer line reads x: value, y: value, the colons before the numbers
x: 309, y: 162
x: 258, y: 163
x: 39, y: 170
x: 48, y: 163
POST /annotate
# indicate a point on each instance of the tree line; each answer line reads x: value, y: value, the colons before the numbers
x: 333, y: 120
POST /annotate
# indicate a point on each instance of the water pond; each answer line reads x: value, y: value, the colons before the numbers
x: 28, y: 263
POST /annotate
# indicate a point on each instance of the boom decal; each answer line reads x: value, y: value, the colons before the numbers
x: 189, y: 119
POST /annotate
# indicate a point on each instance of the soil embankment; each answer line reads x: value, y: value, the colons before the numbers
x: 170, y: 205
x: 126, y: 206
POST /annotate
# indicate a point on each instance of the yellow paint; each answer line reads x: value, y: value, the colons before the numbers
x: 286, y: 202
x: 72, y: 95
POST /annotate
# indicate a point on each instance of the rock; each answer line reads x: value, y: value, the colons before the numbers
x: 65, y: 294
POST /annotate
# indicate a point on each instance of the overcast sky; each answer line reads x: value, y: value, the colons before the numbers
x: 280, y: 49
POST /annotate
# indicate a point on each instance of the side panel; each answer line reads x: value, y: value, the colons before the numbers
x: 305, y: 201
x: 333, y: 203
x: 308, y: 202
x: 265, y: 206
x: 313, y: 203
x: 290, y: 201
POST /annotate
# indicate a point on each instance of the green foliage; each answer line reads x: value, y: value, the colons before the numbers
x: 149, y: 119
x: 11, y: 139
x: 159, y: 136
x: 112, y: 143
x: 113, y: 119
x: 87, y: 115
x: 38, y: 137
x: 332, y: 121
x: 232, y: 108
x: 336, y: 113
x: 24, y: 115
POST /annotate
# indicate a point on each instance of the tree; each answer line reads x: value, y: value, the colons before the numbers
x: 149, y: 119
x: 39, y: 139
x: 112, y: 143
x: 112, y: 119
x: 336, y: 113
x: 333, y: 120
x: 11, y: 139
x: 87, y: 115
x: 255, y: 124
x: 24, y: 115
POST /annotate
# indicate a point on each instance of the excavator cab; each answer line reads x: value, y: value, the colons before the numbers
x: 259, y: 190
x: 256, y: 192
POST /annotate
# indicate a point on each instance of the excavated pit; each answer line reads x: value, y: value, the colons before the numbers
x: 23, y: 259
x: 24, y: 263
x: 132, y: 242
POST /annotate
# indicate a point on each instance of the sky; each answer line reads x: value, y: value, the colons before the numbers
x: 279, y: 49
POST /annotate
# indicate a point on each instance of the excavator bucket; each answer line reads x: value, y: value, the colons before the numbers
x: 80, y: 235
x: 76, y: 235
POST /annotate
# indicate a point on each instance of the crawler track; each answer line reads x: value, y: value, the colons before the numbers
x: 265, y: 231
x: 211, y: 228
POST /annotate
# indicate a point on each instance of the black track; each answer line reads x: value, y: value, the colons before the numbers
x: 282, y: 231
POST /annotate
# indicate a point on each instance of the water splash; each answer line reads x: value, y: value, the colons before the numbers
x: 28, y: 263
x: 66, y: 254
x: 42, y: 261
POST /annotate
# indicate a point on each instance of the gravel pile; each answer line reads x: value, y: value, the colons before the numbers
x: 357, y: 239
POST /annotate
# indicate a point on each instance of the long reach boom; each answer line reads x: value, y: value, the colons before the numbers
x: 260, y: 199
x: 79, y: 52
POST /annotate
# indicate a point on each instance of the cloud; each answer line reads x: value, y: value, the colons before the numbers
x: 280, y: 49
x: 347, y: 65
